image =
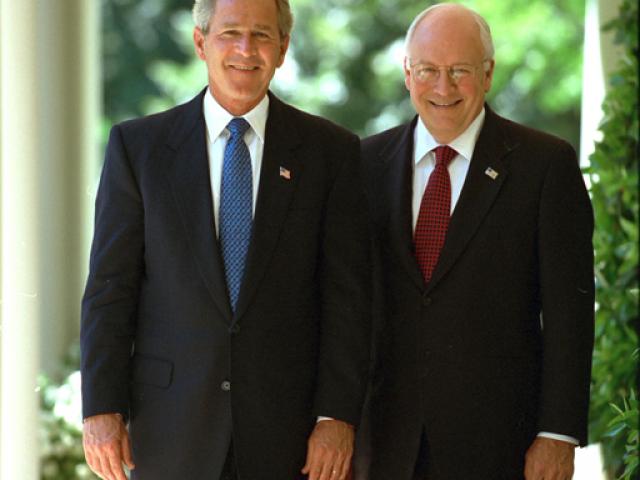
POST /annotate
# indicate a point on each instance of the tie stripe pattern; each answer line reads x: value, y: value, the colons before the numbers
x: 435, y: 210
x: 236, y: 212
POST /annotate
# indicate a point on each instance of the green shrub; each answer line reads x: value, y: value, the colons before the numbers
x: 614, y: 189
x: 626, y: 422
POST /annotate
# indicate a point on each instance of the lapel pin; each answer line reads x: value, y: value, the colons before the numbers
x: 284, y: 173
x: 490, y: 172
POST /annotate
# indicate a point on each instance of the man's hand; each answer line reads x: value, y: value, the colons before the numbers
x: 106, y: 446
x: 549, y: 459
x: 330, y: 449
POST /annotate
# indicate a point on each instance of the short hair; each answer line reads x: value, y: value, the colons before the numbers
x: 203, y: 10
x: 485, y: 30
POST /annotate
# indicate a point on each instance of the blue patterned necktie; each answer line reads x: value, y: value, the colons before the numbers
x: 236, y: 194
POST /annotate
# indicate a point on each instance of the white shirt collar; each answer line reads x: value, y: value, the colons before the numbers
x: 464, y: 144
x: 217, y: 118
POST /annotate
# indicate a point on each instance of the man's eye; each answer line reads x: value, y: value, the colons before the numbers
x: 461, y: 71
x: 427, y: 71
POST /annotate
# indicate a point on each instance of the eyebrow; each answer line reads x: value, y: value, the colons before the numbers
x: 258, y: 26
x: 432, y: 64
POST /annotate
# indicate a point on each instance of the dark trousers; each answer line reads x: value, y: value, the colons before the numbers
x: 420, y: 471
x: 229, y: 471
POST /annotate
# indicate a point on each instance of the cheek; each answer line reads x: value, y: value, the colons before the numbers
x: 473, y: 92
x: 419, y: 92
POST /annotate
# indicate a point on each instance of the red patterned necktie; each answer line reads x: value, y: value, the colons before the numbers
x: 435, y: 210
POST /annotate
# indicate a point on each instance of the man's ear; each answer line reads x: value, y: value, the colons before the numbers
x: 488, y: 75
x: 407, y: 73
x: 198, y: 42
x: 284, y: 46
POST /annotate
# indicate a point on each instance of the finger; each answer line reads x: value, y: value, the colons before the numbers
x: 344, y: 468
x: 307, y: 464
x: 314, y: 470
x: 314, y: 462
x: 115, y: 463
x: 327, y: 469
x: 103, y: 470
x: 336, y: 472
x: 111, y: 462
x: 88, y: 458
x: 126, y: 452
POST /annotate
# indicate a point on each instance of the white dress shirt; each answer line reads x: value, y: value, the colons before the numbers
x: 217, y: 119
x: 424, y: 162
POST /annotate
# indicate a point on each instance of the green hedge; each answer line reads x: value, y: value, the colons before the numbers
x: 614, y: 190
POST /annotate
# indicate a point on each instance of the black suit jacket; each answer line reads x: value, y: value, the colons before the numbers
x: 497, y: 346
x: 159, y: 342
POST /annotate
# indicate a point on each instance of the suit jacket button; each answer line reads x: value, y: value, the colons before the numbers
x: 426, y: 300
x: 225, y: 386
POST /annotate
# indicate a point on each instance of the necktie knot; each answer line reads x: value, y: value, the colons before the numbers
x: 238, y: 126
x: 444, y: 155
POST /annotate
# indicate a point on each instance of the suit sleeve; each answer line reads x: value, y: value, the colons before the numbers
x: 109, y: 305
x: 565, y: 230
x: 346, y: 292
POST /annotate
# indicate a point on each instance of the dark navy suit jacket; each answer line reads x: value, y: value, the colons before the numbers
x: 497, y: 347
x: 159, y: 342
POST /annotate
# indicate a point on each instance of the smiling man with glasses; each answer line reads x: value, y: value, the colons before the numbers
x: 484, y: 232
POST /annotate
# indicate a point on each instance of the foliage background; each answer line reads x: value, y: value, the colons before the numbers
x: 345, y: 63
x: 345, y: 60
x: 614, y: 192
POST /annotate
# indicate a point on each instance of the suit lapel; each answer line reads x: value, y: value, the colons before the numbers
x: 398, y: 170
x: 187, y: 169
x: 480, y: 190
x: 274, y: 195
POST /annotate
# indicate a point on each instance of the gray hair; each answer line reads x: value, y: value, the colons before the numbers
x: 203, y: 10
x: 485, y: 31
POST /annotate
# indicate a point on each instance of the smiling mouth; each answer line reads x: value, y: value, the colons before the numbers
x: 244, y: 68
x: 444, y: 105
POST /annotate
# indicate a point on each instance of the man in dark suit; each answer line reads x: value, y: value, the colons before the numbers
x: 225, y: 320
x: 484, y: 230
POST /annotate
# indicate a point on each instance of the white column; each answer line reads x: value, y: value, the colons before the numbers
x: 600, y: 58
x: 21, y: 233
x: 69, y: 86
x: 49, y: 121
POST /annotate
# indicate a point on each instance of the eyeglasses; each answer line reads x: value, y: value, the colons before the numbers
x: 428, y: 73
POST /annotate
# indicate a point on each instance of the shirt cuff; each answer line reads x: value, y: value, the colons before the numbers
x: 322, y: 419
x: 557, y: 436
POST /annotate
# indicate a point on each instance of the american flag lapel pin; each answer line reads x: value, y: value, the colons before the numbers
x: 491, y: 173
x: 284, y: 173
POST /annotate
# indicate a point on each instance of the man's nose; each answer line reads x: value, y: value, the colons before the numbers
x: 246, y: 45
x: 444, y: 83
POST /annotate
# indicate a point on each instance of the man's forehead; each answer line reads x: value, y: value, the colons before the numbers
x: 436, y: 39
x: 448, y: 22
